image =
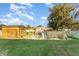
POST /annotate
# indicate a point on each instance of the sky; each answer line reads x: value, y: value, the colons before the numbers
x: 33, y: 14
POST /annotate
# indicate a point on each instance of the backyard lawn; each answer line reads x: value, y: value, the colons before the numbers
x: 39, y: 47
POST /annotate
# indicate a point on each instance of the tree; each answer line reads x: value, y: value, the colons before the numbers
x: 28, y: 26
x: 62, y: 16
x: 39, y: 26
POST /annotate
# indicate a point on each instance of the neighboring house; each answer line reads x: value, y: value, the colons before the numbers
x: 30, y: 32
x: 13, y: 31
x: 40, y: 31
x: 61, y: 34
x: 0, y: 31
x: 18, y: 32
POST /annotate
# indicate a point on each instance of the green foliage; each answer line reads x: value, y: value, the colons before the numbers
x: 61, y: 16
x: 39, y: 26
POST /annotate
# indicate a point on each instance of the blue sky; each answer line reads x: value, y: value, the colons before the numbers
x: 24, y: 13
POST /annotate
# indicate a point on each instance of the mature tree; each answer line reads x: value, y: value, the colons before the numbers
x: 39, y: 26
x: 62, y: 16
x: 28, y: 26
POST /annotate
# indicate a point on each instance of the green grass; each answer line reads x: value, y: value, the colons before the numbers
x: 39, y: 47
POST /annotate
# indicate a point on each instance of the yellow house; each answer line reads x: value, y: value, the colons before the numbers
x: 13, y: 31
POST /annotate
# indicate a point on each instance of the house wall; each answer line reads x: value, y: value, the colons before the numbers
x: 56, y: 34
x: 22, y: 32
x: 10, y: 32
x: 17, y: 32
x: 0, y: 33
x: 30, y: 33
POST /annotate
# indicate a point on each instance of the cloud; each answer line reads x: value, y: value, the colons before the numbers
x: 29, y: 17
x: 3, y: 20
x: 27, y: 4
x: 9, y: 15
x: 49, y: 5
x: 20, y: 11
x: 25, y: 15
x: 13, y: 21
x: 15, y: 7
x: 43, y: 20
x: 32, y: 13
x: 17, y: 15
